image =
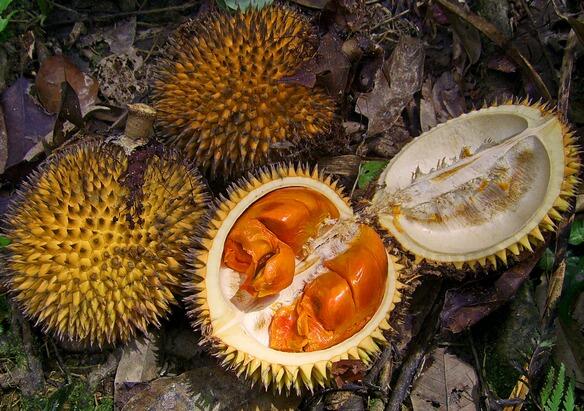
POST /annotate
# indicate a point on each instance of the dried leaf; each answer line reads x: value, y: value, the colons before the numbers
x: 346, y: 165
x: 427, y: 111
x: 577, y: 23
x: 469, y: 37
x: 26, y: 122
x: 448, y: 99
x: 447, y: 384
x: 120, y: 37
x: 53, y: 72
x: 501, y: 63
x: 313, y: 4
x: 465, y: 306
x: 346, y: 371
x: 493, y: 33
x: 329, y: 64
x: 391, y: 141
x: 395, y: 84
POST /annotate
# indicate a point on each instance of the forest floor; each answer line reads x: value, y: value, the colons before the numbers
x: 398, y: 68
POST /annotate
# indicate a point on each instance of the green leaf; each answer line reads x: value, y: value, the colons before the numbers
x: 58, y: 398
x: 243, y: 5
x: 546, y: 390
x: 3, y: 24
x: 554, y: 402
x: 4, y: 241
x: 4, y: 4
x: 577, y: 233
x: 573, y: 285
x: 546, y: 263
x: 570, y: 397
x: 369, y: 171
x: 44, y: 7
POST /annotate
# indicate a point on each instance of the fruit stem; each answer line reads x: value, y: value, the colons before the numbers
x: 140, y: 121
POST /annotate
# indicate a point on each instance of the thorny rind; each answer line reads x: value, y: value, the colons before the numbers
x: 76, y: 266
x: 240, y: 60
x: 397, y: 14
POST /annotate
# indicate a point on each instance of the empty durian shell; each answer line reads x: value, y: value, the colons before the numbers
x: 87, y: 262
x: 481, y: 187
x: 236, y: 336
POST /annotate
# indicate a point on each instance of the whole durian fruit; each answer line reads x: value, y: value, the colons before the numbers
x: 223, y: 95
x: 96, y: 257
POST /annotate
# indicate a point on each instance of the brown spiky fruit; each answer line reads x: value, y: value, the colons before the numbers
x: 223, y: 95
x: 92, y: 259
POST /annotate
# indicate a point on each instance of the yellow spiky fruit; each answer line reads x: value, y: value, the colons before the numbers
x: 482, y: 187
x: 87, y: 264
x: 234, y: 335
x: 222, y: 94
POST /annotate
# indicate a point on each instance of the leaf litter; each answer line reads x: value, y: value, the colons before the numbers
x: 396, y: 69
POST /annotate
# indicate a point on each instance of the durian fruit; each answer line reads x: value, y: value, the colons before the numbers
x: 99, y: 240
x: 225, y: 95
x: 274, y: 269
x: 280, y: 337
x: 480, y: 188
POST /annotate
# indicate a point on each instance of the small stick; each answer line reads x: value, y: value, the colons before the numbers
x: 417, y: 353
x: 566, y: 75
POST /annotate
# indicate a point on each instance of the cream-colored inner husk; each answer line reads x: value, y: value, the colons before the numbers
x: 473, y: 186
x: 243, y: 324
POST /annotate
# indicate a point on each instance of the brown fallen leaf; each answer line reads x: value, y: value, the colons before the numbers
x: 53, y: 72
x: 120, y: 37
x: 501, y: 40
x: 346, y: 371
x: 329, y: 64
x: 466, y: 305
x: 427, y: 110
x: 469, y: 37
x: 501, y: 63
x: 448, y: 383
x: 26, y: 122
x: 448, y: 99
x: 313, y: 4
x: 395, y: 84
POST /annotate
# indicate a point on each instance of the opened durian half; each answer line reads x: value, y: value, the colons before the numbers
x: 481, y: 187
x: 288, y: 279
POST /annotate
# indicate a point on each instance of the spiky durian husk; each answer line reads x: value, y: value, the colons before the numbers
x: 222, y: 95
x: 555, y: 214
x: 280, y: 376
x: 77, y: 264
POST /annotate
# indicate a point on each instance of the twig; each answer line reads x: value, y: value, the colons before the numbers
x: 385, y: 357
x: 486, y: 393
x: 105, y: 370
x: 60, y: 362
x: 114, y: 16
x: 416, y: 353
x: 500, y: 40
x: 566, y: 75
x: 309, y: 401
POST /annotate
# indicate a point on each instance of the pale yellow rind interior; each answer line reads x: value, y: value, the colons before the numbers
x: 564, y: 165
x: 218, y: 317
